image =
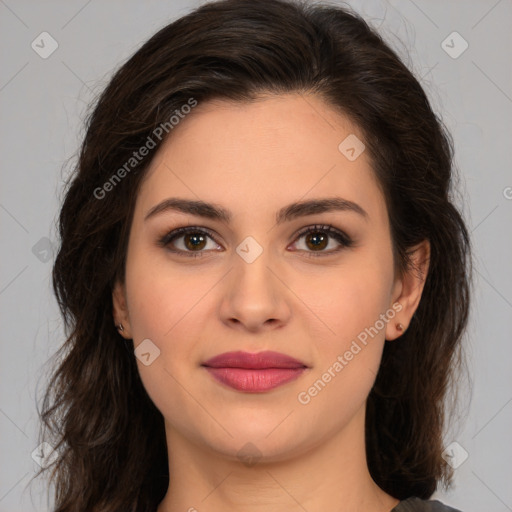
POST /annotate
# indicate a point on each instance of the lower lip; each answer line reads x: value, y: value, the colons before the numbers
x: 254, y: 381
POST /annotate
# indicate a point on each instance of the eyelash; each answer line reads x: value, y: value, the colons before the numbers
x: 327, y: 229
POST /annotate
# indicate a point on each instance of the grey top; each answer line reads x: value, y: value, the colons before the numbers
x: 414, y: 504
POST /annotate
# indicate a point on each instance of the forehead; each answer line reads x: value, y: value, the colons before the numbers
x: 256, y: 156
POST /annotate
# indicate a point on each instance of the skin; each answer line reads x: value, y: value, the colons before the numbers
x: 310, y: 456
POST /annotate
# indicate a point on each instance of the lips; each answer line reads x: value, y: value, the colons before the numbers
x: 256, y: 361
x: 254, y: 373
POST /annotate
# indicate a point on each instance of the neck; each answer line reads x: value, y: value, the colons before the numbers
x: 330, y: 476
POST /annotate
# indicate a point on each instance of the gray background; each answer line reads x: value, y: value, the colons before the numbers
x: 42, y: 105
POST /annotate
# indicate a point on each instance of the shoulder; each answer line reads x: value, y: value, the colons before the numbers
x: 414, y: 504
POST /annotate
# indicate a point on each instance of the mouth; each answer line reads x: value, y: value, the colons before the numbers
x: 254, y: 373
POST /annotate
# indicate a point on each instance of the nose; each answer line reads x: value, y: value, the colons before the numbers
x: 255, y: 296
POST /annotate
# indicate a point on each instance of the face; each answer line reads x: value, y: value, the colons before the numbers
x: 256, y: 282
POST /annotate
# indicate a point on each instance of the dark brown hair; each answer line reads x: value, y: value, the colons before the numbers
x: 109, y: 435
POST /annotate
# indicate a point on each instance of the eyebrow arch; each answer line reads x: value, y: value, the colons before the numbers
x: 285, y: 214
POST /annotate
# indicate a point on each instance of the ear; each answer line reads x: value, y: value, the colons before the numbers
x: 120, y: 309
x: 407, y: 289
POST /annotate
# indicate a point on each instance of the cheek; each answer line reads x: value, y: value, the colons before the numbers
x: 163, y: 308
x: 161, y: 296
x: 348, y: 353
x: 348, y: 302
x: 168, y: 306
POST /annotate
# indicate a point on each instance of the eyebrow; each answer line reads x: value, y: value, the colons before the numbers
x: 285, y: 214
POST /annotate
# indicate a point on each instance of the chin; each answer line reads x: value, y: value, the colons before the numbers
x: 268, y: 441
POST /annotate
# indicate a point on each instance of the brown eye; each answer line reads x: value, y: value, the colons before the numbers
x: 194, y: 241
x: 317, y: 239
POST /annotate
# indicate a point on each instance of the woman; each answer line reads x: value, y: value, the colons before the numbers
x: 264, y: 280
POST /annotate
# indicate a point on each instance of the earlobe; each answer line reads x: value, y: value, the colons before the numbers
x: 120, y: 310
x: 410, y: 288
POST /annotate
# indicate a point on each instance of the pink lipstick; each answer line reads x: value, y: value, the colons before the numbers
x: 254, y: 373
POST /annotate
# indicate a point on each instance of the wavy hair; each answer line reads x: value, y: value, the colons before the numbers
x: 109, y: 436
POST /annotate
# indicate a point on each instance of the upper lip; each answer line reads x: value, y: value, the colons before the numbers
x: 259, y: 360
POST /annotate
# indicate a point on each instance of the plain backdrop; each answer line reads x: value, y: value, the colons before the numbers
x: 43, y: 101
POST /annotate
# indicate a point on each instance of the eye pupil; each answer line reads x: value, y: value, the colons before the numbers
x: 318, y: 240
x: 198, y: 240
